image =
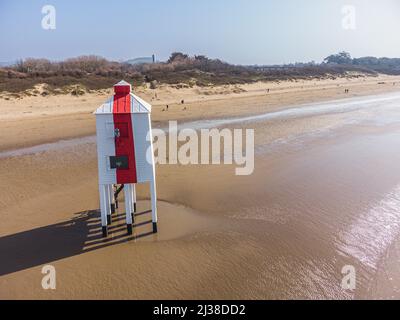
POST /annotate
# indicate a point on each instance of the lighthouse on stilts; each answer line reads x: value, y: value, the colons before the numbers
x: 125, y: 154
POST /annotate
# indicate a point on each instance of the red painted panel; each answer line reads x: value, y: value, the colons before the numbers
x: 122, y: 89
x: 124, y: 144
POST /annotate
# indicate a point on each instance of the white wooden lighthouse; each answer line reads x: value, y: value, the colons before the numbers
x: 125, y: 154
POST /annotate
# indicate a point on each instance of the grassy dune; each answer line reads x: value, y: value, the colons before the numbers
x: 86, y: 73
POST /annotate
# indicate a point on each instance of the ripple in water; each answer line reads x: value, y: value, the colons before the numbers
x: 367, y: 238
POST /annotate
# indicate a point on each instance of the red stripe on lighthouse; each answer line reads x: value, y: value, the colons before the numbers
x: 124, y: 144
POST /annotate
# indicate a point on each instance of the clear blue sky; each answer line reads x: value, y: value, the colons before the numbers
x: 237, y: 31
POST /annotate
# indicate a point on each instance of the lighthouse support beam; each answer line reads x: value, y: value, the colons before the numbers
x: 108, y: 203
x: 128, y: 207
x: 103, y: 210
x: 112, y: 197
x: 133, y: 201
x: 134, y: 197
x: 153, y: 194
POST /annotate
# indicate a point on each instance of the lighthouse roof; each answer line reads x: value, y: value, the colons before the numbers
x: 127, y: 101
x: 137, y: 105
x: 122, y: 83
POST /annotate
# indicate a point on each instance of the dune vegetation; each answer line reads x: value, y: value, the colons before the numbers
x: 85, y: 73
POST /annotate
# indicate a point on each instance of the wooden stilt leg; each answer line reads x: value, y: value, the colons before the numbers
x: 133, y: 205
x: 153, y: 205
x: 108, y: 203
x: 128, y: 207
x: 134, y: 197
x: 103, y: 210
x: 112, y: 199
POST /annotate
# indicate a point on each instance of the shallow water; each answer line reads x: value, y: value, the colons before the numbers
x: 347, y: 197
x: 371, y: 105
x: 307, y: 110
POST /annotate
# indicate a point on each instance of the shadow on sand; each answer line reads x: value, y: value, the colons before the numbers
x: 47, y: 244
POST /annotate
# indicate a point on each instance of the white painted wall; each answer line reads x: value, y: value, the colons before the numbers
x: 141, y: 127
x: 105, y: 148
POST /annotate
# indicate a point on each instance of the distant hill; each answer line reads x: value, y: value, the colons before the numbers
x: 141, y: 60
x: 6, y: 63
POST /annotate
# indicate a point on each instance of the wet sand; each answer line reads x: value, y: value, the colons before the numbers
x: 324, y: 194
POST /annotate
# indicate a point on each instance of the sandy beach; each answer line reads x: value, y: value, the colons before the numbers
x: 324, y: 194
x: 31, y: 120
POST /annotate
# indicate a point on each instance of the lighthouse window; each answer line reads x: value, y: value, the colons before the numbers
x: 120, y: 162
